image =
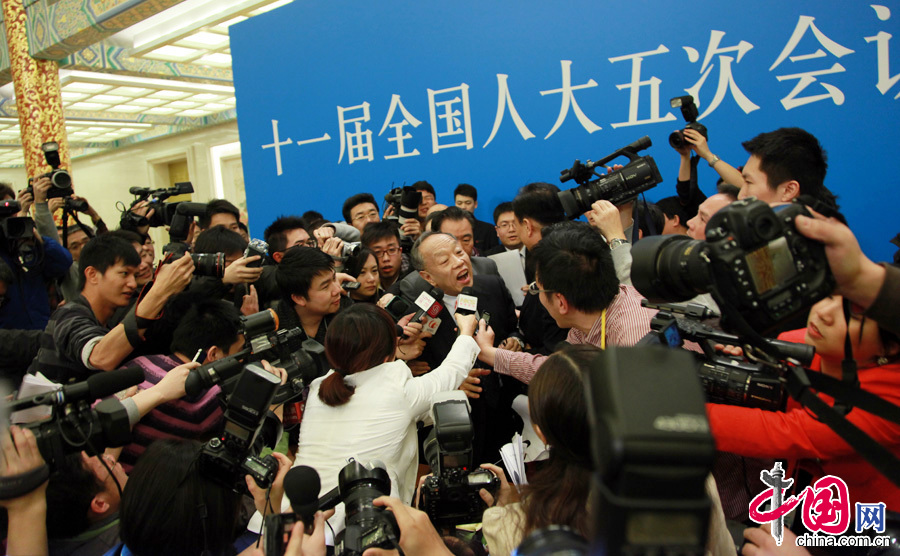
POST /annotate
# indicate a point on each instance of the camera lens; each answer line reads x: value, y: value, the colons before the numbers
x: 209, y: 264
x: 676, y: 139
x: 60, y: 179
x: 670, y: 268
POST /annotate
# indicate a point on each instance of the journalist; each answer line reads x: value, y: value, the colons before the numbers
x: 795, y: 434
x: 558, y: 493
x: 367, y: 406
x: 363, y: 267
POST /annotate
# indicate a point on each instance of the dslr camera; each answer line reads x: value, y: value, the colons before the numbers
x: 689, y: 112
x: 619, y: 187
x: 249, y: 427
x: 754, y: 263
x: 60, y: 179
x: 264, y: 341
x: 17, y: 235
x: 450, y: 496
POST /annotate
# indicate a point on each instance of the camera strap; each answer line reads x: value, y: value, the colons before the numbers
x: 23, y: 483
x: 800, y: 384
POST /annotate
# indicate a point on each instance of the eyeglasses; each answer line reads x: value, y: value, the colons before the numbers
x: 504, y: 225
x: 379, y: 253
x: 311, y: 242
x: 534, y: 290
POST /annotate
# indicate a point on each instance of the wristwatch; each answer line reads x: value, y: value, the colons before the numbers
x: 616, y: 241
x: 715, y: 158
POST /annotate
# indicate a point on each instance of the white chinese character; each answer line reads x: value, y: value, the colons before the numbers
x: 399, y: 136
x: 635, y: 86
x: 805, y: 79
x: 569, y: 99
x: 882, y: 41
x: 726, y: 79
x: 276, y: 144
x: 357, y: 142
x: 450, y: 116
x: 503, y: 100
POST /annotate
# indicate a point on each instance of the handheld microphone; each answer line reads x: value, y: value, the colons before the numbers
x: 428, y: 303
x: 97, y: 386
x: 467, y: 303
x: 302, y: 485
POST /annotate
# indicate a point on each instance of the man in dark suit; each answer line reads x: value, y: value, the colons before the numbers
x: 465, y: 196
x: 442, y: 263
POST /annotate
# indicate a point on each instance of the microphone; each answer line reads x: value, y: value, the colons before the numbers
x: 467, y: 303
x: 97, y: 386
x: 429, y: 301
x: 302, y: 485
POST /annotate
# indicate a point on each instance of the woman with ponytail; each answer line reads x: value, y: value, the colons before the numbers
x: 367, y: 406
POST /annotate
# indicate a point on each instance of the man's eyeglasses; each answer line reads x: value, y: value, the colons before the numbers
x: 534, y: 290
x: 379, y: 253
x: 311, y: 242
x: 505, y: 225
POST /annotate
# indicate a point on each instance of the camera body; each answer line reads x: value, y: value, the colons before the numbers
x: 450, y: 496
x: 60, y: 179
x: 618, y: 187
x: 690, y: 113
x: 249, y: 426
x: 264, y: 341
x: 753, y: 260
x: 350, y: 249
x: 256, y: 247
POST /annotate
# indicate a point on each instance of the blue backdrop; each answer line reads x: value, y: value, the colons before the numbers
x: 338, y: 97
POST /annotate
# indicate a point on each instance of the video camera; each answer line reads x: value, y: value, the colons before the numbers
x: 263, y: 341
x: 753, y: 262
x: 163, y: 213
x: 619, y: 187
x: 406, y: 201
x: 726, y: 380
x: 249, y: 427
x: 17, y: 235
x: 689, y: 112
x: 74, y: 425
x: 450, y: 496
x: 652, y: 452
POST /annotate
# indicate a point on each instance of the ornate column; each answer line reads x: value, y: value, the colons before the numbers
x: 37, y: 89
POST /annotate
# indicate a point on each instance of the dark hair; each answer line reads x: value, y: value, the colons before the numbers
x: 103, y: 252
x: 378, y: 231
x: 220, y: 240
x: 423, y: 186
x: 214, y: 322
x: 359, y: 338
x: 671, y: 207
x: 128, y: 235
x: 791, y: 153
x: 355, y: 200
x: 218, y: 206
x: 353, y: 265
x: 276, y: 234
x: 311, y: 215
x: 573, y: 259
x: 650, y: 213
x: 6, y: 273
x: 170, y: 507
x: 558, y: 493
x: 730, y: 191
x: 465, y: 190
x: 6, y: 190
x: 295, y: 273
x: 501, y: 208
x: 70, y: 491
x: 451, y: 213
x: 539, y: 202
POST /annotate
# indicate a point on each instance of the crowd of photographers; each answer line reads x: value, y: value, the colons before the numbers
x: 352, y: 383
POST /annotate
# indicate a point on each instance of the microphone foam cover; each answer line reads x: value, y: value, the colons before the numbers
x: 302, y: 485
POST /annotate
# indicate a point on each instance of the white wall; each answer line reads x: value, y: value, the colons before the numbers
x: 104, y: 178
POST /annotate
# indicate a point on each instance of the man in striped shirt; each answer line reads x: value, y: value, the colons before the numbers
x: 577, y: 284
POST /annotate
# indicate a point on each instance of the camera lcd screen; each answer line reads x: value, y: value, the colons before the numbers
x: 771, y: 265
x: 664, y: 528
